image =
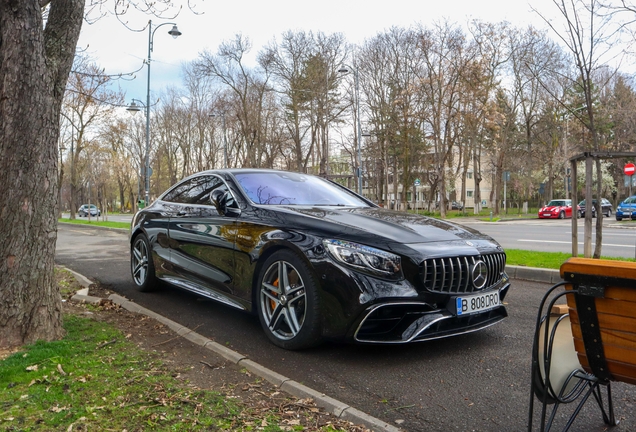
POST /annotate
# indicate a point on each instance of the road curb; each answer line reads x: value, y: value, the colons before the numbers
x: 329, y: 404
x: 533, y: 274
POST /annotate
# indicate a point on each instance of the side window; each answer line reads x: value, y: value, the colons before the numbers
x: 195, y: 191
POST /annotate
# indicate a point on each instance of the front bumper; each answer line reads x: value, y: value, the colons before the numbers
x: 404, y: 322
x: 625, y: 214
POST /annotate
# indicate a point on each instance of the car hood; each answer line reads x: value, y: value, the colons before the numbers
x: 384, y: 228
x: 553, y: 208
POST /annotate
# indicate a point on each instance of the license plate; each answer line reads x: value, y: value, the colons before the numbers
x: 547, y: 214
x: 477, y: 303
x: 627, y: 213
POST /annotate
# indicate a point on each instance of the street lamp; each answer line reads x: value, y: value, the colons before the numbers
x: 359, y: 132
x: 174, y: 32
x: 134, y: 108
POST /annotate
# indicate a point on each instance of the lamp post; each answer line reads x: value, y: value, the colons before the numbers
x: 174, y: 32
x: 359, y: 128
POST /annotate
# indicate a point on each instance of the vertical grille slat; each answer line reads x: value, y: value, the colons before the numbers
x: 466, y: 270
x: 454, y: 275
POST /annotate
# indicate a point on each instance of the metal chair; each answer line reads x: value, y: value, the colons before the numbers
x: 557, y: 374
x: 601, y: 301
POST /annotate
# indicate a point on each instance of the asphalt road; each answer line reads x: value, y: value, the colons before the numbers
x: 553, y: 235
x: 477, y: 382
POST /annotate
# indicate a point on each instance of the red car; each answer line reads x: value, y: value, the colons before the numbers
x: 558, y: 209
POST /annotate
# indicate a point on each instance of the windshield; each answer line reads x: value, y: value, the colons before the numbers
x: 559, y: 203
x: 285, y: 188
x: 582, y: 203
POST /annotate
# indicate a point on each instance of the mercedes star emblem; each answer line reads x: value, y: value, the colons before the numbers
x: 480, y: 274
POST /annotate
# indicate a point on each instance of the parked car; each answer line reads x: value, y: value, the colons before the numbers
x: 454, y: 205
x: 314, y: 261
x: 626, y: 209
x: 558, y: 209
x: 84, y: 210
x: 606, y: 207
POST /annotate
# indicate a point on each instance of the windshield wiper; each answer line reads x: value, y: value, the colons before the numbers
x: 329, y: 205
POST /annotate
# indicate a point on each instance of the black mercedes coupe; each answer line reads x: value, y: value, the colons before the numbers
x: 316, y: 261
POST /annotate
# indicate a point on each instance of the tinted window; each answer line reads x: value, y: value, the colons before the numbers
x: 558, y: 203
x: 195, y: 191
x: 283, y: 188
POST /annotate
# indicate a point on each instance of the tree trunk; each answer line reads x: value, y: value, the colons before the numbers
x: 477, y: 177
x: 34, y: 66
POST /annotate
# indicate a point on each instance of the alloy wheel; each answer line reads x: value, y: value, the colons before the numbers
x: 139, y: 261
x: 283, y: 300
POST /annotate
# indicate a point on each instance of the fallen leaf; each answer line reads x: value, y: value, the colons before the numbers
x: 32, y: 368
x: 60, y: 370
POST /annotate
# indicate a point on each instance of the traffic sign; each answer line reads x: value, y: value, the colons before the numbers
x: 417, y: 182
x: 629, y: 169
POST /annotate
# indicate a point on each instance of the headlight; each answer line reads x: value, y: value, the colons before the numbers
x: 365, y: 258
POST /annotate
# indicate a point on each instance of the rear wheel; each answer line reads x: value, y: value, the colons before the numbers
x: 142, y: 267
x: 288, y: 302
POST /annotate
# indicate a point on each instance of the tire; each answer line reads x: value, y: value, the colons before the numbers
x: 289, y: 312
x: 609, y: 213
x: 562, y: 215
x: 142, y: 268
x: 578, y: 215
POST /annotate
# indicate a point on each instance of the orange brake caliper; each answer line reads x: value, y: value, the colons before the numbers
x: 272, y: 303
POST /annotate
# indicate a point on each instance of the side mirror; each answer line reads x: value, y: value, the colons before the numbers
x: 224, y: 203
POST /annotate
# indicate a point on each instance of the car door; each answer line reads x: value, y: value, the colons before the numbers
x: 202, y: 241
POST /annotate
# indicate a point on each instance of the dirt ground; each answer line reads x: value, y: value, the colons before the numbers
x: 203, y: 369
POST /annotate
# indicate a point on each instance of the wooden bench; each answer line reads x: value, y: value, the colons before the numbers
x: 601, y: 327
x: 609, y: 288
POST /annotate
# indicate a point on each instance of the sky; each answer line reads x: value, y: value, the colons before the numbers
x: 118, y: 49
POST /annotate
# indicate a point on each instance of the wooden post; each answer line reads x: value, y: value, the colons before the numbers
x: 575, y: 201
x: 587, y: 245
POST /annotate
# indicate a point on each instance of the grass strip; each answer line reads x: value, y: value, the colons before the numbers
x: 94, y: 222
x: 94, y: 379
x: 549, y: 260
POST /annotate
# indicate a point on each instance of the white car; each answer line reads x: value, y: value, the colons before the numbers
x: 84, y: 209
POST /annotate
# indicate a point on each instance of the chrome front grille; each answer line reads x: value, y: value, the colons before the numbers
x: 455, y: 274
